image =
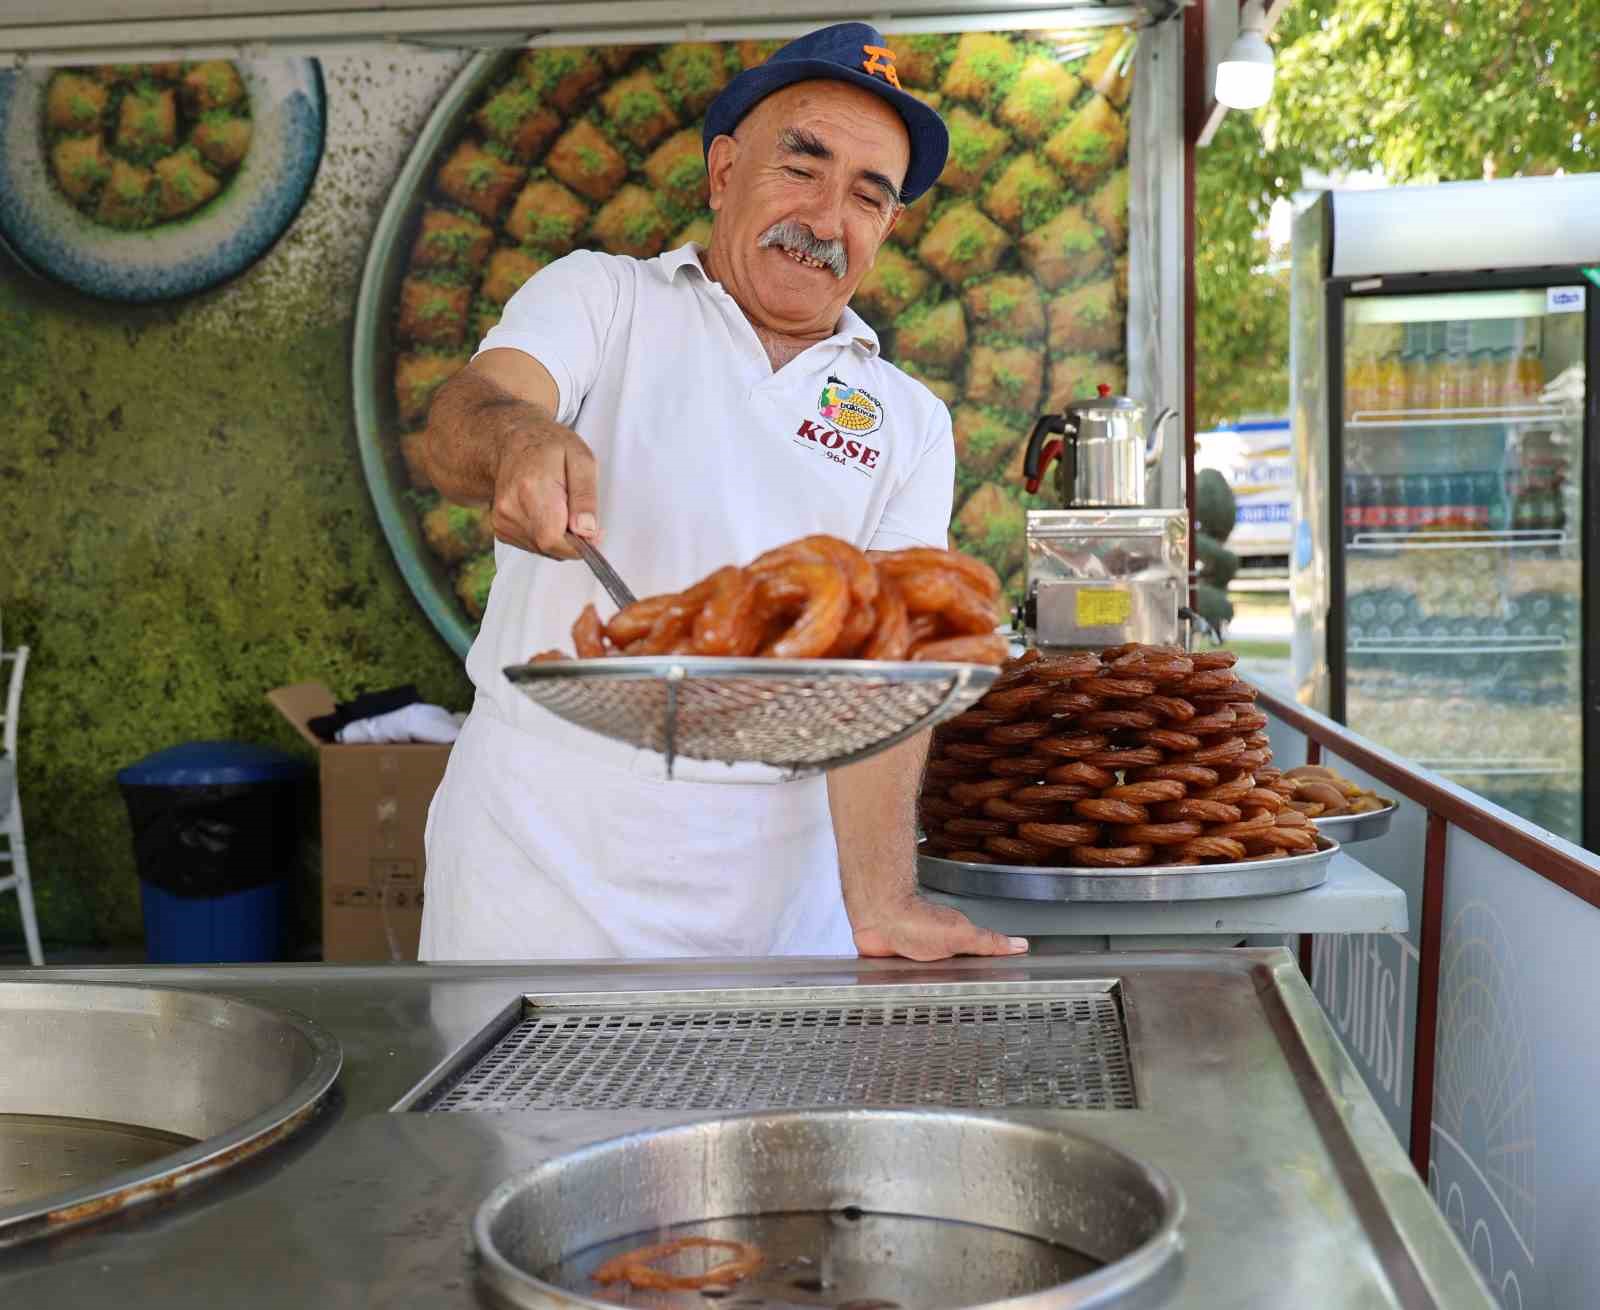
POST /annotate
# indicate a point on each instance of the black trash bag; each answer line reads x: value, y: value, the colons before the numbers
x: 214, y: 840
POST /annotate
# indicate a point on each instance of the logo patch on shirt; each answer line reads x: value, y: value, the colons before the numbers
x: 850, y: 409
x: 851, y: 414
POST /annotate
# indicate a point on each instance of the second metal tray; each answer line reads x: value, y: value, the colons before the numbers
x: 1192, y: 882
x: 1346, y: 828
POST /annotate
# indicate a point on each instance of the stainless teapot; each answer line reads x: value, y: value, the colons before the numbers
x: 1102, y: 449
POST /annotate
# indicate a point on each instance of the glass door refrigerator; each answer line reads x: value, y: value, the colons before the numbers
x: 1444, y: 343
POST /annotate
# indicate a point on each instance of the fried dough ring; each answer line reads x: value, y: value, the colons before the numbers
x: 1066, y: 703
x: 1072, y: 745
x: 941, y: 807
x: 1297, y: 841
x: 1064, y: 668
x: 1191, y: 808
x: 1159, y: 666
x: 1080, y: 774
x: 636, y: 1267
x: 1253, y: 821
x: 1196, y: 775
x: 1250, y: 758
x: 1217, y: 753
x: 1099, y: 720
x: 921, y: 629
x: 975, y: 793
x: 589, y: 635
x: 968, y: 826
x: 1128, y: 758
x: 1020, y: 766
x: 823, y: 597
x: 1159, y: 834
x: 1015, y: 848
x: 976, y: 752
x: 999, y: 808
x: 975, y: 572
x: 1102, y: 688
x: 1211, y: 847
x: 1103, y: 811
x: 1013, y: 700
x: 1148, y: 793
x: 1269, y: 853
x: 1113, y: 857
x: 1206, y: 681
x: 726, y: 624
x: 1018, y: 734
x: 634, y: 622
x: 1286, y: 818
x: 1250, y: 720
x: 970, y: 856
x: 1174, y: 708
x: 1230, y: 793
x: 976, y: 721
x: 1203, y: 725
x: 970, y: 649
x: 1213, y: 659
x: 1059, y: 834
x: 960, y: 609
x: 1061, y: 793
x: 1170, y: 739
x: 1113, y: 653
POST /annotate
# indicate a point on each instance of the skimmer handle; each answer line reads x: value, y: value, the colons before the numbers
x: 615, y: 587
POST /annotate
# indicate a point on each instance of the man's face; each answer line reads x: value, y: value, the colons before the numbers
x: 811, y: 177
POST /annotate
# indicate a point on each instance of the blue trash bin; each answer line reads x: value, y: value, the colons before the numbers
x: 216, y: 838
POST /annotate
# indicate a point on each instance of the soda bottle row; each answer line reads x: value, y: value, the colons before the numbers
x: 1417, y: 383
x: 1471, y: 501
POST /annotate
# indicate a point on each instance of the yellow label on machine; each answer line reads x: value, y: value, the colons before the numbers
x: 1104, y: 608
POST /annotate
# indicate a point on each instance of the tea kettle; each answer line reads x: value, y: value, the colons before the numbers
x: 1102, y: 451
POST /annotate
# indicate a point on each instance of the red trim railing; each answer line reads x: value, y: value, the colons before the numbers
x: 1446, y: 807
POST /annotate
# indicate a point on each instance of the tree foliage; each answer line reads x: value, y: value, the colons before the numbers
x: 1423, y: 90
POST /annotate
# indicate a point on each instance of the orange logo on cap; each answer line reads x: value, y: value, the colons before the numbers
x: 880, y: 59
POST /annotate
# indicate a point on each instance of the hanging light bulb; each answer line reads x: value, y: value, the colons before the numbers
x: 1244, y: 78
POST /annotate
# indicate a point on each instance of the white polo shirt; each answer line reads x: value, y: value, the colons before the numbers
x: 546, y: 841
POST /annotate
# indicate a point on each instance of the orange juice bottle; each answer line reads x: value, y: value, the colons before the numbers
x: 1529, y: 376
x: 1419, y: 380
x: 1444, y: 375
x: 1483, y: 390
x: 1391, y: 383
x: 1360, y: 386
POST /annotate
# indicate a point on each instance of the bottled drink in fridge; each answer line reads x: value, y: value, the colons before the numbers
x: 1491, y: 504
x: 1354, y: 504
x: 1424, y: 502
x: 1447, y: 380
x: 1483, y: 383
x: 1529, y: 376
x: 1419, y: 388
x: 1390, y: 384
x: 1361, y: 386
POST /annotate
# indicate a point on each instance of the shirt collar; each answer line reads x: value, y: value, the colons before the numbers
x: 851, y: 328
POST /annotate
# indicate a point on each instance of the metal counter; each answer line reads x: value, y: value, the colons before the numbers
x: 1297, y: 1192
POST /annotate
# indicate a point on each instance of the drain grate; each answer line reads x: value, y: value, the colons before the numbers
x: 1064, y: 1050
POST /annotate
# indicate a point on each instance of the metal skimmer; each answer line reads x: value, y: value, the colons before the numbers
x: 1066, y: 1049
x: 799, y: 716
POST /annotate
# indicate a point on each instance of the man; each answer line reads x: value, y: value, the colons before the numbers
x: 679, y: 405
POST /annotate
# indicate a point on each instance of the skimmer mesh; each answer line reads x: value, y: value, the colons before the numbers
x: 800, y: 717
x: 1065, y: 1051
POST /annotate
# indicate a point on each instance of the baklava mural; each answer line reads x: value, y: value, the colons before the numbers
x: 1003, y: 288
x: 229, y: 289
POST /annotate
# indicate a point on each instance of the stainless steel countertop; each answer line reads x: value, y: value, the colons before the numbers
x: 1298, y: 1193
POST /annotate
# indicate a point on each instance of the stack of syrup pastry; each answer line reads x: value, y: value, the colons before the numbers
x: 1139, y: 755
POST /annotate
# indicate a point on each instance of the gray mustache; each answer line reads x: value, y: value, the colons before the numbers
x: 794, y: 236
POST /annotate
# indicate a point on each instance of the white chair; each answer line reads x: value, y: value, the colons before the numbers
x: 16, y: 853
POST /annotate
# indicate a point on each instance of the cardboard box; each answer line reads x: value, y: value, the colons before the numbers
x: 374, y: 808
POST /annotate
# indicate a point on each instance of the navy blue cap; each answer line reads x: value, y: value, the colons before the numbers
x: 211, y: 763
x: 845, y: 52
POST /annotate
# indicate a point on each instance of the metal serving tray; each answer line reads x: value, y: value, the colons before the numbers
x: 1346, y: 828
x: 1196, y: 882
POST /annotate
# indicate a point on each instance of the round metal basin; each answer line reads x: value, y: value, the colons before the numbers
x: 112, y: 1095
x: 852, y: 1209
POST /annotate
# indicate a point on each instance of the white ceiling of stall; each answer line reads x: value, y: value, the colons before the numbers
x: 79, y: 31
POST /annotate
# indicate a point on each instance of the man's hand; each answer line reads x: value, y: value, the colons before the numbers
x: 545, y: 481
x: 874, y: 826
x: 917, y: 929
x: 493, y: 439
